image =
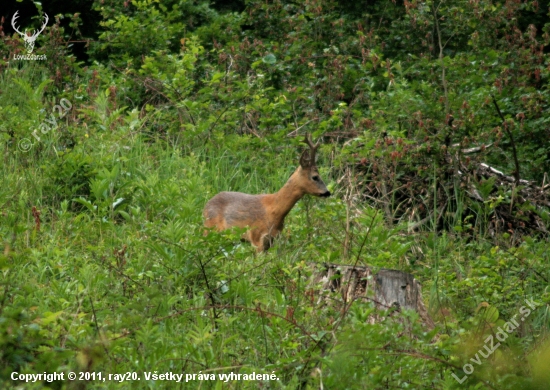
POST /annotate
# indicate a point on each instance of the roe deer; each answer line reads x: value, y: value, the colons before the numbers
x: 265, y: 214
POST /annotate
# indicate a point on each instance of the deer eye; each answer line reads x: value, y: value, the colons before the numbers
x: 316, y: 178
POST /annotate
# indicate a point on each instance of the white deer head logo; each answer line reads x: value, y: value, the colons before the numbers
x: 29, y: 39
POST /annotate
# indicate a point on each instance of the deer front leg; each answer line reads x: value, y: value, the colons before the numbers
x: 258, y: 238
x: 267, y: 241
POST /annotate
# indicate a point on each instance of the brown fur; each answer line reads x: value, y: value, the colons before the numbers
x: 265, y: 214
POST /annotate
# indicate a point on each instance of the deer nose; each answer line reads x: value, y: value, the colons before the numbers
x: 325, y: 194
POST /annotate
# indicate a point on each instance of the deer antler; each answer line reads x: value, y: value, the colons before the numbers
x: 14, y: 18
x: 43, y: 25
x: 310, y: 160
x: 13, y: 23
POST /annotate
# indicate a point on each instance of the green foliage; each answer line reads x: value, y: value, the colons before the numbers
x: 105, y: 263
x: 24, y: 342
x: 150, y: 26
x: 69, y: 176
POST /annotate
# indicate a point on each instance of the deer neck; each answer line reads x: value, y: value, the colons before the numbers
x: 286, y: 198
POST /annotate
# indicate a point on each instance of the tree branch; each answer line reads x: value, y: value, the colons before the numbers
x: 509, y: 133
x: 441, y: 46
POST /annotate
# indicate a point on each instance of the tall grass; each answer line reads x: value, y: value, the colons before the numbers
x: 105, y: 267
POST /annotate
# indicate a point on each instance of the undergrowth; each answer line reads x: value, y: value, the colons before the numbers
x: 105, y: 264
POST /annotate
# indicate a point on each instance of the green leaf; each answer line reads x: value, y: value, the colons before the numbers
x: 269, y: 59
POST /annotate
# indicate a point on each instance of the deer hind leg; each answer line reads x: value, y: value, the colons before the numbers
x: 216, y: 221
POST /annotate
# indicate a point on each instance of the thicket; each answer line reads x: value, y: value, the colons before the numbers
x: 104, y: 264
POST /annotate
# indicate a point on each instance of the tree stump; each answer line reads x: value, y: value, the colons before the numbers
x: 386, y: 289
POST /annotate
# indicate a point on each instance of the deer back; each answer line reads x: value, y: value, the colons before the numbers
x: 228, y: 209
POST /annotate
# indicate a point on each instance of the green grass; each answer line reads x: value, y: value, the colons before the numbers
x: 138, y: 288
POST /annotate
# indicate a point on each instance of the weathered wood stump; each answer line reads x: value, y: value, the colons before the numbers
x: 386, y: 289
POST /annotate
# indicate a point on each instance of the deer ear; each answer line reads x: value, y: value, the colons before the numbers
x: 305, y: 161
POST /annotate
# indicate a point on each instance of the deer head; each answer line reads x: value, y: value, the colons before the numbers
x: 29, y: 39
x: 311, y: 181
